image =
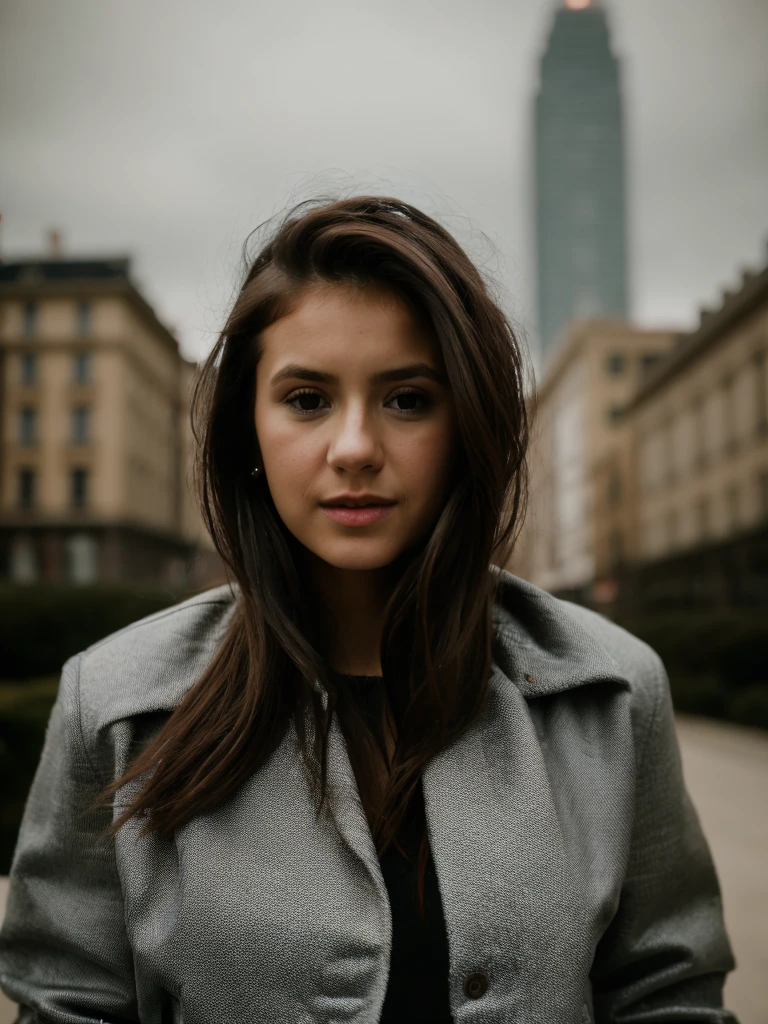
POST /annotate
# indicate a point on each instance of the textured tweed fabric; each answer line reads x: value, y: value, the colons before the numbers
x: 576, y: 883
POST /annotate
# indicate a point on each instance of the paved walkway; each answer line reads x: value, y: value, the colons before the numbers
x: 726, y: 770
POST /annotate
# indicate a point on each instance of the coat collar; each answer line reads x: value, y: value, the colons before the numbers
x: 541, y: 643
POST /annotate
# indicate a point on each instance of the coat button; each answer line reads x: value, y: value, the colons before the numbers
x: 530, y: 679
x: 475, y: 984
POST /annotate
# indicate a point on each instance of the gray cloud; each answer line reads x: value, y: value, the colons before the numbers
x: 170, y: 129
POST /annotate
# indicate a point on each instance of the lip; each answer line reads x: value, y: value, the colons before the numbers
x: 353, y: 499
x: 362, y: 516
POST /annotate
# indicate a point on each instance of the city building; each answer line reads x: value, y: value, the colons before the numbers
x: 579, y: 176
x: 649, y: 462
x: 699, y: 424
x: 579, y: 451
x: 96, y: 444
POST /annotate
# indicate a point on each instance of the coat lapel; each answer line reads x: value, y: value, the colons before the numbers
x: 511, y: 897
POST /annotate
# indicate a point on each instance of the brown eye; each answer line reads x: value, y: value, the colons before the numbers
x: 304, y: 398
x: 411, y: 402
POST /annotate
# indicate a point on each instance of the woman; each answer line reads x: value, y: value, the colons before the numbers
x: 377, y: 777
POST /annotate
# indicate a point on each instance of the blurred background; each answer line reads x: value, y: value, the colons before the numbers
x: 605, y: 164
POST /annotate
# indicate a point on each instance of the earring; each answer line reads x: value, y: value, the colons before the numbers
x: 255, y: 471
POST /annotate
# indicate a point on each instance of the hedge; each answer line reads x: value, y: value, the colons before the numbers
x: 716, y: 659
x: 24, y: 712
x: 41, y: 625
x: 717, y: 663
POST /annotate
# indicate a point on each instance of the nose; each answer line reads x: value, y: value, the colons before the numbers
x: 354, y: 443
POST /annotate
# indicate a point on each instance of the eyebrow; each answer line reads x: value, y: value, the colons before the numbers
x: 293, y: 371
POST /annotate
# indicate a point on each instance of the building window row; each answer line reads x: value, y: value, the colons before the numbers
x: 614, y: 414
x: 80, y: 425
x: 714, y: 424
x: 27, y: 425
x: 30, y: 319
x: 29, y: 368
x: 79, y: 488
x: 81, y: 559
x: 617, y: 362
x: 82, y: 368
x: 666, y: 534
x: 29, y: 327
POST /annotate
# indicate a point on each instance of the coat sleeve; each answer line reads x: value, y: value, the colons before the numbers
x: 666, y: 953
x: 64, y: 950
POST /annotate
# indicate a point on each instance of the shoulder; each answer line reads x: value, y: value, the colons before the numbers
x: 149, y: 665
x: 638, y: 662
x: 634, y: 656
x: 556, y: 646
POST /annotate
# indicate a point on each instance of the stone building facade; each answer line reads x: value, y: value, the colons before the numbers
x: 577, y: 422
x: 700, y: 437
x: 96, y: 444
x: 649, y: 462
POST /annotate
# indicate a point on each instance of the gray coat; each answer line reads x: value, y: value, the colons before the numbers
x: 575, y: 879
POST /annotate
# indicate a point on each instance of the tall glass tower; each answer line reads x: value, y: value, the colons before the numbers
x: 581, y: 217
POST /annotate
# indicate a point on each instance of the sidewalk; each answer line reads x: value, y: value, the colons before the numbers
x: 726, y: 770
x: 7, y: 1008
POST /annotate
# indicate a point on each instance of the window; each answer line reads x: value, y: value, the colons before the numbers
x: 583, y: 257
x: 79, y: 488
x: 30, y: 319
x: 82, y: 558
x: 582, y: 208
x: 669, y: 452
x: 616, y: 548
x: 81, y: 422
x: 24, y: 563
x: 733, y: 504
x: 672, y: 529
x: 29, y: 368
x: 762, y: 494
x: 702, y: 518
x: 728, y: 422
x: 761, y: 397
x: 615, y: 363
x: 614, y: 487
x: 27, y: 425
x: 83, y: 318
x: 648, y: 360
x: 614, y: 414
x: 82, y: 368
x: 26, y: 494
x: 699, y: 434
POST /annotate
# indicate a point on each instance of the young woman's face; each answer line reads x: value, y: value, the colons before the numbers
x: 352, y: 403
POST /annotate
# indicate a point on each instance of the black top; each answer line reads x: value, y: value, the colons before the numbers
x: 417, y: 990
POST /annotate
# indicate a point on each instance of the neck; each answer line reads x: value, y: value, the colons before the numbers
x: 352, y: 605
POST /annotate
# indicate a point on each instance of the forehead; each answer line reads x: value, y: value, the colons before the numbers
x: 351, y: 325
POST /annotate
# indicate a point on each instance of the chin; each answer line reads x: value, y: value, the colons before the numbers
x: 358, y: 560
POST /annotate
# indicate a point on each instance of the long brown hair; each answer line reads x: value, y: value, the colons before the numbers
x: 436, y: 643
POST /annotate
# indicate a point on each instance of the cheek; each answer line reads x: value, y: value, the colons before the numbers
x: 426, y: 461
x: 285, y: 450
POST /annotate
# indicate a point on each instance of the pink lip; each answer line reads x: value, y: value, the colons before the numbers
x: 356, y: 516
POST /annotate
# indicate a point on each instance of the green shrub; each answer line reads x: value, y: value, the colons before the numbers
x: 41, y: 625
x: 729, y: 642
x: 716, y: 659
x: 699, y: 695
x: 749, y: 706
x: 24, y: 712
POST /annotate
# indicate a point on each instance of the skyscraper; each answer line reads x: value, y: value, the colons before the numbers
x: 579, y: 176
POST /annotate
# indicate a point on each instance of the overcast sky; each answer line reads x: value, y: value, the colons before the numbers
x: 168, y: 130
